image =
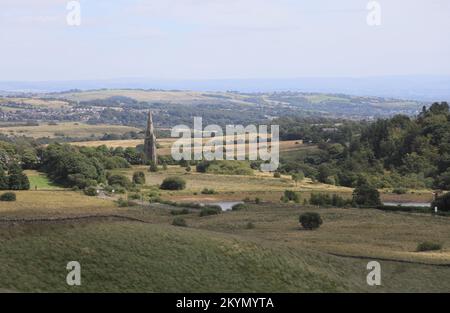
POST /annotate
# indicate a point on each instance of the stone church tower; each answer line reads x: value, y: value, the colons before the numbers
x: 150, y: 141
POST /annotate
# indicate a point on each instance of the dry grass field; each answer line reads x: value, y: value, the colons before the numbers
x: 54, y: 203
x: 42, y: 103
x: 347, y: 232
x: 166, y: 144
x: 70, y: 129
x: 180, y: 97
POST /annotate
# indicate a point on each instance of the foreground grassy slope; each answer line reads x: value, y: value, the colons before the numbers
x: 124, y: 256
x: 218, y: 253
x: 129, y: 256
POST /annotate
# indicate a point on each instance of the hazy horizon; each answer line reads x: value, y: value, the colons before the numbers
x: 214, y: 39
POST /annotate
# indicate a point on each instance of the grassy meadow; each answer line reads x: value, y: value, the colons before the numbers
x: 67, y: 129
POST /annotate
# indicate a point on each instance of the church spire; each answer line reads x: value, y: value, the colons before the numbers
x: 150, y: 141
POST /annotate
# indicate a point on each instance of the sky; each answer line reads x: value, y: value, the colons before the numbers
x: 222, y: 39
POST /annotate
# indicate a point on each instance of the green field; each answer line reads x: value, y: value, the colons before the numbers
x: 39, y: 181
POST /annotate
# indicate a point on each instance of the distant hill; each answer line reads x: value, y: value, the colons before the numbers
x: 424, y: 87
x: 126, y: 106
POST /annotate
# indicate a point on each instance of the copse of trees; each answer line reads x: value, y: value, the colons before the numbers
x: 84, y: 166
x: 442, y: 202
x: 366, y: 195
x: 15, y: 179
x: 390, y: 153
x: 321, y: 199
x: 66, y: 165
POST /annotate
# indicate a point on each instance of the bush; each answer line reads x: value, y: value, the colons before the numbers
x: 180, y: 212
x: 210, y: 210
x: 179, y: 221
x: 119, y: 180
x: 276, y: 175
x: 139, y: 178
x: 365, y: 195
x: 321, y: 199
x: 90, y: 191
x: 250, y: 225
x: 173, y: 183
x: 310, y: 220
x: 428, y: 246
x: 225, y: 167
x: 239, y: 206
x: 290, y: 195
x: 153, y: 167
x: 118, y: 189
x: 134, y: 196
x: 125, y: 203
x: 400, y: 191
x: 207, y: 191
x: 8, y: 196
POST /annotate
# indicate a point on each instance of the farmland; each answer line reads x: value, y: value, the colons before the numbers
x: 65, y: 129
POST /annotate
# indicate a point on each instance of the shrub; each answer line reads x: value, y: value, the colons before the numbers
x: 250, y: 225
x: 257, y: 200
x: 239, y: 206
x: 134, y: 196
x: 8, y: 196
x: 225, y: 167
x: 400, y: 191
x: 173, y: 183
x: 310, y: 220
x: 290, y: 195
x: 188, y: 169
x: 179, y: 221
x: 365, y: 195
x: 90, y: 191
x: 428, y: 246
x: 119, y: 180
x: 276, y: 175
x: 153, y: 167
x: 207, y: 191
x: 118, y: 189
x: 139, y: 178
x: 210, y: 210
x: 125, y: 203
x: 180, y: 212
